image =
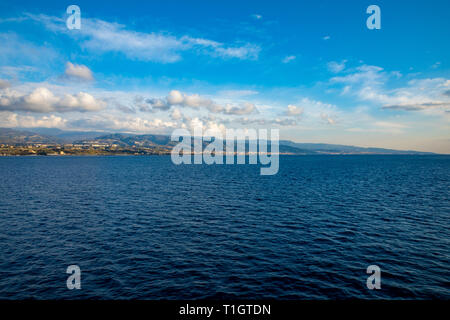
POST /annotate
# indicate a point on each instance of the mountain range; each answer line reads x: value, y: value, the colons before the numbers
x: 57, y: 136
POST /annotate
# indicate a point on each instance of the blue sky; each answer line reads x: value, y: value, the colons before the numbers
x: 311, y: 68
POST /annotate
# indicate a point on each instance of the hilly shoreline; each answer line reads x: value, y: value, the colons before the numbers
x: 44, y: 141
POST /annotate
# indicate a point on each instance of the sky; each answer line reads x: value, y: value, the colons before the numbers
x: 312, y: 69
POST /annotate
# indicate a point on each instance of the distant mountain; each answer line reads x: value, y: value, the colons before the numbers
x: 57, y: 136
x: 17, y: 137
x: 343, y: 149
x: 286, y: 146
x: 128, y: 140
x: 67, y: 136
x: 152, y: 140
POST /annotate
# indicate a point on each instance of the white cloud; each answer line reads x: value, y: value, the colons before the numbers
x: 346, y: 89
x: 247, y: 51
x: 327, y: 118
x: 288, y: 59
x: 436, y: 65
x: 336, y: 67
x: 294, y: 110
x: 314, y: 111
x: 238, y: 93
x: 195, y: 101
x: 43, y: 100
x: 176, y: 114
x: 78, y: 71
x: 124, y: 124
x: 368, y: 83
x: 326, y: 38
x: 311, y: 105
x: 257, y: 16
x: 102, y: 36
x: 212, y: 127
x: 416, y: 105
x: 247, y: 108
x: 363, y: 75
x: 176, y: 97
x: 140, y: 125
x: 12, y: 120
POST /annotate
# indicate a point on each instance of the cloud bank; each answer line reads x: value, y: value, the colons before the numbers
x: 42, y: 100
x: 194, y: 101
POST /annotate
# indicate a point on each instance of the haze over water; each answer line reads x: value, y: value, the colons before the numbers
x: 141, y: 227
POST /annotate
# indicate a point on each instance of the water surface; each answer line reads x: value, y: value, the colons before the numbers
x: 141, y: 227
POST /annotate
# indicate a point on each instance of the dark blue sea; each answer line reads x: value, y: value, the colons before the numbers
x: 141, y: 227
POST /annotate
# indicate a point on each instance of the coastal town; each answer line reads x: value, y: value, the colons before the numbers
x: 79, y: 149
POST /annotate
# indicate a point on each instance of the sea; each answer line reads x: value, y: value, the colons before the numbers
x: 141, y: 227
